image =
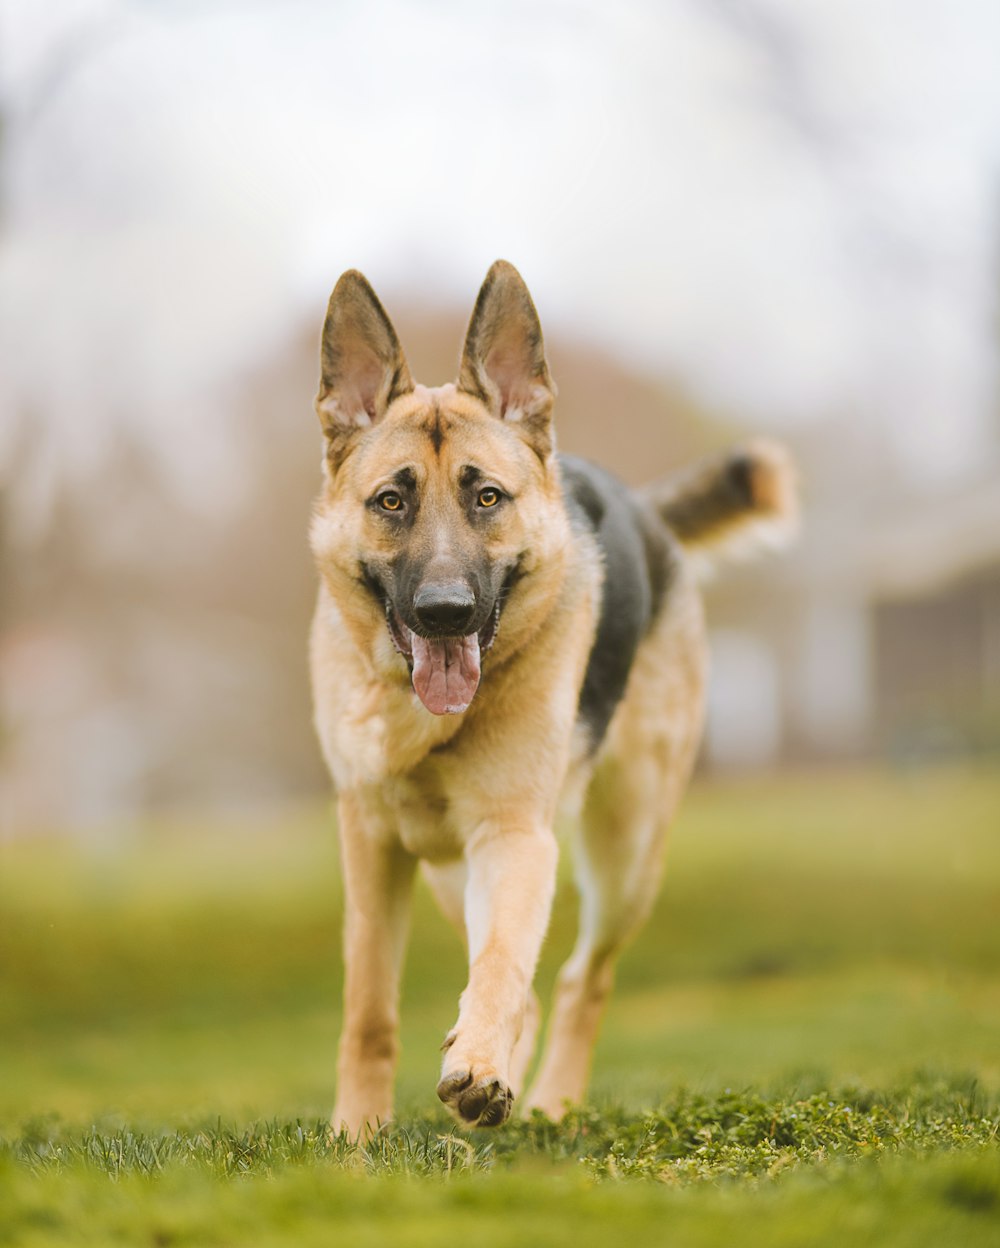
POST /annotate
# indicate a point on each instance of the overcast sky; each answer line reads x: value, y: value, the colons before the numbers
x: 792, y: 204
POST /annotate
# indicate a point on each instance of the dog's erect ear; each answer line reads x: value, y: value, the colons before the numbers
x: 363, y: 366
x: 503, y: 360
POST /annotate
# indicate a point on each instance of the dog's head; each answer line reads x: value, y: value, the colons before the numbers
x: 437, y: 501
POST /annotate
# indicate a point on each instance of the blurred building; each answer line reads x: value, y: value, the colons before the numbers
x: 879, y: 635
x: 153, y: 651
x: 781, y: 212
x: 936, y: 628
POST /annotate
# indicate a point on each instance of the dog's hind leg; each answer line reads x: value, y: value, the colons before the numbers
x: 635, y: 791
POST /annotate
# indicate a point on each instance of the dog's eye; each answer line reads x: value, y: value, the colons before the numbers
x: 488, y: 497
x: 390, y: 501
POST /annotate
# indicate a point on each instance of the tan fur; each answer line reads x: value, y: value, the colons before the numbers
x: 473, y: 796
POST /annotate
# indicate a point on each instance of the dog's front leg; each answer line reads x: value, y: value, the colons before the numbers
x: 378, y: 880
x: 511, y: 880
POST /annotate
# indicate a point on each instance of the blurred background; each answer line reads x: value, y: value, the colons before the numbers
x: 768, y: 216
x: 773, y: 217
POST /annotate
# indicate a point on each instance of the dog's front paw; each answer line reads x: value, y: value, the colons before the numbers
x: 476, y: 1100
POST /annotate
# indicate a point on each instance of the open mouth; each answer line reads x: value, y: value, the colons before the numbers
x: 445, y: 670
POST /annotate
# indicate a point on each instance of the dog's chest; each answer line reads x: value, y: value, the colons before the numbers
x: 425, y: 813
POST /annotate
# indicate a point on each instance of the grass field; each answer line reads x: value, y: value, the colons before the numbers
x: 804, y: 1045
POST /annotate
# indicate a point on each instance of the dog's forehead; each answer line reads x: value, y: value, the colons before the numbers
x: 436, y: 431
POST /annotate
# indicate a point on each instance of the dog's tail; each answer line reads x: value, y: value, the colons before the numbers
x: 731, y: 504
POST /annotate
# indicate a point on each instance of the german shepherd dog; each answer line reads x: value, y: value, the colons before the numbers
x: 499, y: 627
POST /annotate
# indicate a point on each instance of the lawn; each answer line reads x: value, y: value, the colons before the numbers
x: 804, y: 1045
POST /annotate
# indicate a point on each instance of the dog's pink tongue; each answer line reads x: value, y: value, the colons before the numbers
x: 445, y: 672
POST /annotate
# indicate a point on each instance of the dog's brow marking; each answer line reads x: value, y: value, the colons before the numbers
x: 436, y: 432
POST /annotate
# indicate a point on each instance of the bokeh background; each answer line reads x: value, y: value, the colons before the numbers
x: 772, y: 217
x: 735, y: 217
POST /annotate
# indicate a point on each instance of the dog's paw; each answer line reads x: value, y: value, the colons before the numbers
x: 476, y: 1102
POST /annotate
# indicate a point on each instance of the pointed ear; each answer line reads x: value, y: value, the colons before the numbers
x: 503, y: 361
x: 363, y: 366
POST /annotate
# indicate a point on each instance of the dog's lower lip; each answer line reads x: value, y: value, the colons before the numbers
x: 488, y: 632
x: 398, y: 632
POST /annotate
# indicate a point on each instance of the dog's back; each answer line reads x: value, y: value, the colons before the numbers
x: 725, y: 502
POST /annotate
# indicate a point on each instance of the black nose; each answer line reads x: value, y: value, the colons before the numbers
x: 445, y: 608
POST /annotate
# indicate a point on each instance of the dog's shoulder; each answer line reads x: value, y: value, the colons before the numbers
x: 639, y: 557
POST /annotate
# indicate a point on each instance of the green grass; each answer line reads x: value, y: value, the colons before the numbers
x: 804, y: 1044
x: 948, y: 1200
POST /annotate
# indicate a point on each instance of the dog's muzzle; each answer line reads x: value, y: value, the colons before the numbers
x: 445, y: 668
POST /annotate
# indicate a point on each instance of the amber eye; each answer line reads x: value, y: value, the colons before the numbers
x: 389, y: 501
x: 488, y: 497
